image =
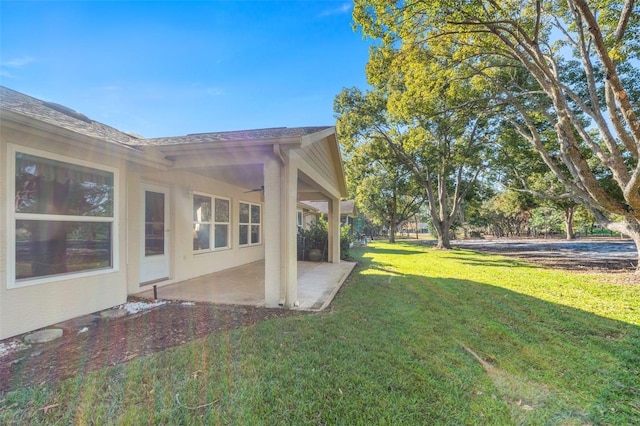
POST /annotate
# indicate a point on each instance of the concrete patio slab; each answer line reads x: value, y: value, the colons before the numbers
x: 318, y: 284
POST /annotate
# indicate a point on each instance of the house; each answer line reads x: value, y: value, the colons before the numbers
x: 306, y: 215
x: 91, y: 214
x: 348, y: 211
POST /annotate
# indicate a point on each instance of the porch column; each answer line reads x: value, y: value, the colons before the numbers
x: 289, y: 232
x: 273, y: 291
x: 334, y: 230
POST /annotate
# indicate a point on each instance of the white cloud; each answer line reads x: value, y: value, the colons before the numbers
x: 18, y: 62
x: 344, y: 8
x: 14, y: 64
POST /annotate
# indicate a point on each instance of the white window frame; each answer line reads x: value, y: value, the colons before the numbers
x: 12, y: 217
x: 249, y: 224
x: 300, y: 219
x: 212, y: 224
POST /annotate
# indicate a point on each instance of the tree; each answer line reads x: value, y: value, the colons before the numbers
x: 508, y: 213
x: 579, y: 114
x: 444, y: 154
x: 389, y: 199
x: 383, y: 188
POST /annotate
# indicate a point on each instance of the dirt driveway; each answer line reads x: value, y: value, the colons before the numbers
x: 592, y: 254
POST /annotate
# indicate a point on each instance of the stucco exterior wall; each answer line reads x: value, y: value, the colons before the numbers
x: 184, y: 263
x: 28, y: 307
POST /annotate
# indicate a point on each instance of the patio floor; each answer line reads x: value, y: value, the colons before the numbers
x: 318, y: 283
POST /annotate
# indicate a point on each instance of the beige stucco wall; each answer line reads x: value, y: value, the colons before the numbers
x: 29, y: 307
x: 184, y: 263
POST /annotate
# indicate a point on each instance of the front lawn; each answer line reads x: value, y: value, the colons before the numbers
x: 416, y: 336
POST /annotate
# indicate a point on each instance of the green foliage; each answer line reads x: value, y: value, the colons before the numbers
x: 317, y: 237
x: 507, y: 213
x: 382, y: 183
x: 547, y: 220
x: 398, y: 155
x: 554, y: 79
x: 346, y: 239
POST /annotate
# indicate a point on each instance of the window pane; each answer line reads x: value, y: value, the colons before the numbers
x: 45, y: 248
x: 201, y: 208
x: 255, y: 214
x: 244, y: 213
x: 255, y: 234
x: 222, y: 210
x: 243, y: 235
x: 222, y: 236
x: 201, y: 236
x: 154, y: 223
x: 55, y: 187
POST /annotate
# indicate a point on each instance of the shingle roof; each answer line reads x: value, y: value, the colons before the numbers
x: 238, y: 135
x: 69, y: 119
x: 61, y: 116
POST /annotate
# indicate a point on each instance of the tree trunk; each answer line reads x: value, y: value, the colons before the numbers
x: 392, y: 230
x: 631, y: 228
x: 635, y: 236
x: 568, y: 222
x: 444, y: 236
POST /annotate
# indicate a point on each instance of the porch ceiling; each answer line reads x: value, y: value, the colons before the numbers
x: 251, y: 177
x: 248, y: 176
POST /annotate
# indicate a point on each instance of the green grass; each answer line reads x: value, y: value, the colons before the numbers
x: 416, y: 336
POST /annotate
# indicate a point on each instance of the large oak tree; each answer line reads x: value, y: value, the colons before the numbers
x: 562, y: 72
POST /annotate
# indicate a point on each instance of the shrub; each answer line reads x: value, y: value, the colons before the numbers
x: 346, y: 239
x: 317, y: 237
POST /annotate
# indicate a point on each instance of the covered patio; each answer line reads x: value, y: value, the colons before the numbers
x: 318, y: 283
x: 277, y: 168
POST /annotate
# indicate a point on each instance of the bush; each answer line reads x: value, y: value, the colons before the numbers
x: 317, y: 237
x: 346, y: 239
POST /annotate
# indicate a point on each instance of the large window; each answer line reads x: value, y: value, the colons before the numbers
x: 210, y: 213
x: 249, y: 224
x: 63, y: 215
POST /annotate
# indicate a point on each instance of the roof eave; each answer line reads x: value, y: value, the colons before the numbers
x: 130, y: 153
x: 292, y: 143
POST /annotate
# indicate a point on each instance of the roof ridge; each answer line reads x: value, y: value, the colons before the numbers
x: 238, y: 131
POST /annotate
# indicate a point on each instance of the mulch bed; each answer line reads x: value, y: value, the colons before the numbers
x: 111, y: 341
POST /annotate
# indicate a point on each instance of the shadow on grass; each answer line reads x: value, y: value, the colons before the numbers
x: 538, y: 354
x: 400, y: 251
x: 466, y: 257
x: 488, y: 260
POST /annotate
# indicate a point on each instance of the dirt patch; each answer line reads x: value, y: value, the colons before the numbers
x: 585, y: 255
x: 94, y: 342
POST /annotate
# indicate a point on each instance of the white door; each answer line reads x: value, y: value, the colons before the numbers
x: 154, y: 262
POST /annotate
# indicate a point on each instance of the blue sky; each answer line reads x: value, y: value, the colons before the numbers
x: 172, y: 68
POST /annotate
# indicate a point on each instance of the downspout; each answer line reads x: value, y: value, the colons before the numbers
x: 278, y: 153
